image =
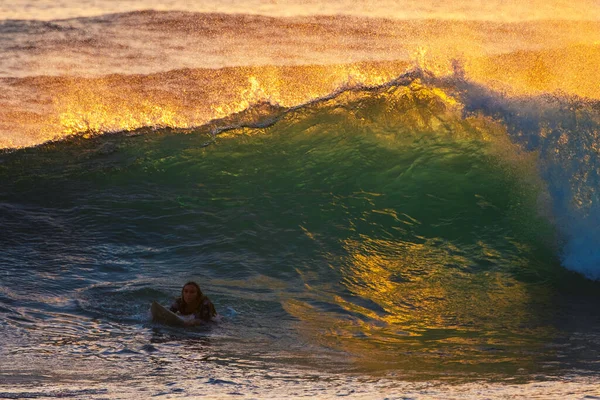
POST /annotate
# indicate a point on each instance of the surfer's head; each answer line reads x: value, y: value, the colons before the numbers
x: 191, y: 293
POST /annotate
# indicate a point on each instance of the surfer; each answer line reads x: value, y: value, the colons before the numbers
x: 194, y: 302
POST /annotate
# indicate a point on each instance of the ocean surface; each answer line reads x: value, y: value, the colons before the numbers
x: 384, y: 200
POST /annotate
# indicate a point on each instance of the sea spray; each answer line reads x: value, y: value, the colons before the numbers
x: 563, y: 132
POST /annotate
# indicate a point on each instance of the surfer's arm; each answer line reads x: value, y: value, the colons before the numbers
x: 206, y: 312
x: 192, y: 322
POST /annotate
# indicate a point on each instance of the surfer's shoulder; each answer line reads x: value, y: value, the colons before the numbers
x: 206, y: 309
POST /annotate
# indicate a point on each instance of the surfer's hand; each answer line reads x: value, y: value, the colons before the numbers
x: 191, y: 322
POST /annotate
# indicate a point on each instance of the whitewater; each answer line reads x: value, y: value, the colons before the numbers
x: 393, y: 200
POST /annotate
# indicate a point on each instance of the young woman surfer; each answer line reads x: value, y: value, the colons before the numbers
x: 194, y: 302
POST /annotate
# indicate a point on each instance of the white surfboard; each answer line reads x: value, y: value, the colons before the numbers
x: 165, y: 316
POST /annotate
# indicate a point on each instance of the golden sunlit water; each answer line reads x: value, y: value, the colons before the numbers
x: 515, y: 58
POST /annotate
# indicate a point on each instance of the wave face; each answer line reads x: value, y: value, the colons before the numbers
x: 394, y: 228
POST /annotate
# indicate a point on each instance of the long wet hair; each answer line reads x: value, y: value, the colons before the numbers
x: 205, y: 310
x: 200, y: 294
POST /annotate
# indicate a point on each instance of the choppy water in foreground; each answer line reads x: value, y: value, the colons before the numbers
x: 378, y: 208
